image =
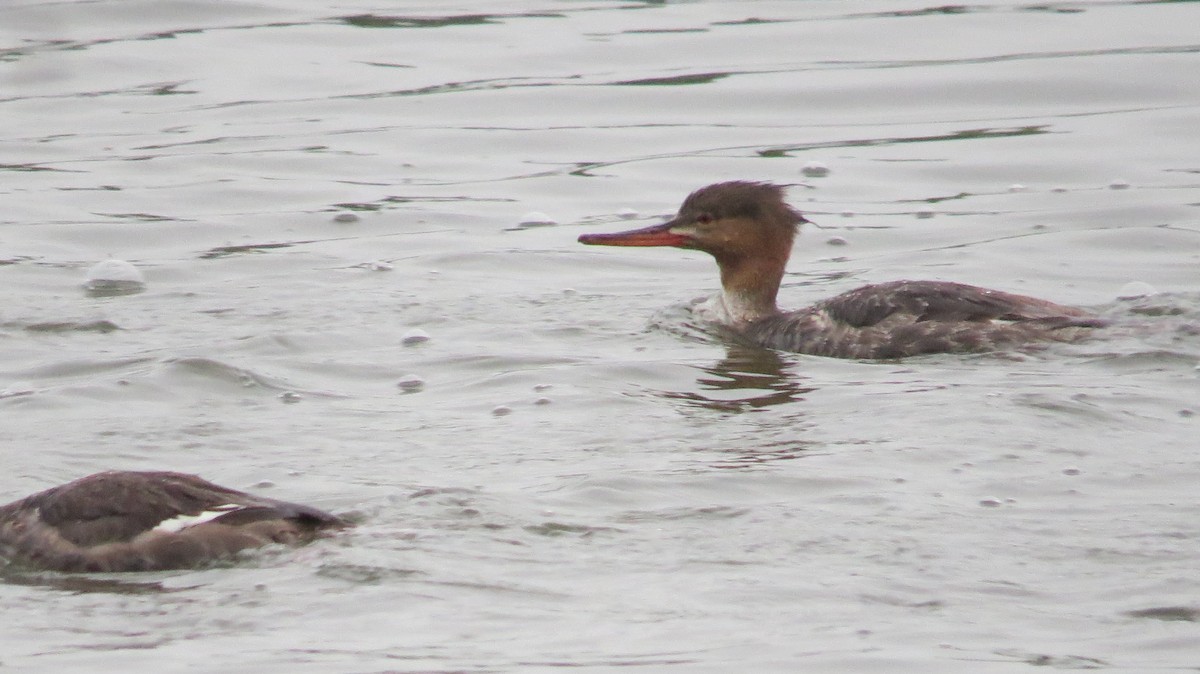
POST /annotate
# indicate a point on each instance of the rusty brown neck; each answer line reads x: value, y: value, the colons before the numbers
x: 750, y: 285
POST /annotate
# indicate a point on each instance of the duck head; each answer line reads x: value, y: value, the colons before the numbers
x: 746, y: 226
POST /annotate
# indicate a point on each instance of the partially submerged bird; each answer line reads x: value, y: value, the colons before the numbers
x: 147, y: 521
x: 749, y: 228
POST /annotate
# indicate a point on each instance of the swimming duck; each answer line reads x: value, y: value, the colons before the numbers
x: 749, y: 228
x: 147, y: 521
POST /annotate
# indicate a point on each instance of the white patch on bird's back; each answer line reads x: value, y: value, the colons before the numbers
x: 177, y: 524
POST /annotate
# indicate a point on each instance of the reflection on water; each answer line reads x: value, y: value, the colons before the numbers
x: 763, y: 453
x: 746, y: 379
x: 129, y: 584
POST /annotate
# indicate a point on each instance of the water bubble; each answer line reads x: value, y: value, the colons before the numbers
x: 1017, y: 187
x: 411, y: 383
x: 536, y: 219
x: 115, y: 270
x: 414, y: 337
x: 847, y: 214
x: 501, y: 411
x: 1071, y: 470
x: 814, y: 169
x: 290, y: 397
x: 346, y: 217
x: 836, y: 241
x: 1135, y: 290
x: 542, y: 401
x: 924, y: 214
x: 627, y: 214
x: 990, y: 503
x: 1118, y: 184
x: 379, y: 266
x: 111, y: 277
x: 264, y: 484
x: 543, y: 387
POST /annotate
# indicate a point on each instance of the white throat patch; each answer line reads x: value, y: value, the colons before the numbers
x: 726, y: 309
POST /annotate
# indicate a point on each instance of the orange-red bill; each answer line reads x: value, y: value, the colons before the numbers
x: 657, y: 235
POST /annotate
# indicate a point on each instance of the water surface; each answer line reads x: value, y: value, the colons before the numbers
x: 582, y: 479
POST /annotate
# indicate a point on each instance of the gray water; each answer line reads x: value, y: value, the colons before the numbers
x: 579, y: 477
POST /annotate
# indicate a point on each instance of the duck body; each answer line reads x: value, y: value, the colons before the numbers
x: 912, y: 318
x: 147, y: 521
x: 749, y: 229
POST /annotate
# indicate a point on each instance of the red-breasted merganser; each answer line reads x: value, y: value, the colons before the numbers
x: 147, y: 521
x: 749, y: 228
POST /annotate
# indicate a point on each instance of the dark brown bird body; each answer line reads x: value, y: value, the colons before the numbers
x: 147, y: 521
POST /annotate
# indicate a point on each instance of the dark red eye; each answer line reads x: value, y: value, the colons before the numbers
x: 704, y: 219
